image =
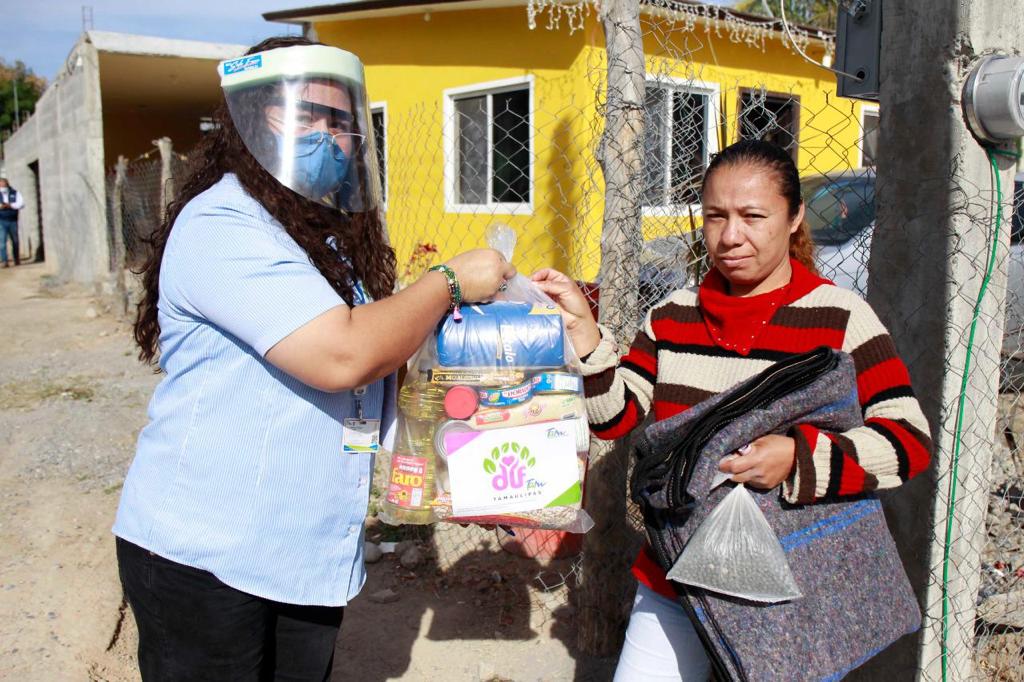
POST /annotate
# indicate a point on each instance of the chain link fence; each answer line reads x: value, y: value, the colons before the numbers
x: 137, y: 196
x: 137, y: 192
x: 1000, y: 619
x: 538, y: 167
x: 531, y: 152
x: 708, y: 81
x: 980, y: 573
x: 978, y: 588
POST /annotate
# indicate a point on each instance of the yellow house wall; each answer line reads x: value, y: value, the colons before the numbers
x: 411, y: 60
x: 829, y: 126
x: 410, y: 72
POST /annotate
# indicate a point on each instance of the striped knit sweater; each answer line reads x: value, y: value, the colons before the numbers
x: 676, y: 361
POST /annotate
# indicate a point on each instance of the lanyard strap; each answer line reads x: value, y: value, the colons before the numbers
x: 357, y: 394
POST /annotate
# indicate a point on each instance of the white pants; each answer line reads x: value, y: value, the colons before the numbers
x: 661, y: 643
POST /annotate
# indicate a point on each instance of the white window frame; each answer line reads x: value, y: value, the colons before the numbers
x: 450, y: 96
x: 382, y: 107
x: 694, y: 87
x: 864, y: 109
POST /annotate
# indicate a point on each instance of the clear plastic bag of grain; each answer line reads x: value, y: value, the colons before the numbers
x: 735, y: 552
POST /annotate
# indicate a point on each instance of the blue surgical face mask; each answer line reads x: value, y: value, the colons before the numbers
x: 320, y: 165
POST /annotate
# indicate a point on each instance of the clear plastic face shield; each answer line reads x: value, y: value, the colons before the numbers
x: 302, y: 113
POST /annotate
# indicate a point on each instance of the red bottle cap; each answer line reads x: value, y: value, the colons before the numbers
x: 460, y: 402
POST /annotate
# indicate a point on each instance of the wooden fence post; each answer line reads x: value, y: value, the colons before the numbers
x: 119, y: 256
x: 606, y: 583
x: 166, y: 173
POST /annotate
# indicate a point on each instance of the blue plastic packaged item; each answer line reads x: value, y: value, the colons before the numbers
x: 503, y: 334
x: 557, y: 382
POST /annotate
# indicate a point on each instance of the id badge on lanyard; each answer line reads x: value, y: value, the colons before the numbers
x: 360, y: 435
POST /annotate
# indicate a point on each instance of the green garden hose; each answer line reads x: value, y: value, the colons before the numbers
x: 957, y: 433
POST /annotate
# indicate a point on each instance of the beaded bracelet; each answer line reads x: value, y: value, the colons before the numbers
x: 454, y: 290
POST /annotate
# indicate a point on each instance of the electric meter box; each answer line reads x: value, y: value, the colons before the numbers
x: 993, y: 98
x: 858, y: 49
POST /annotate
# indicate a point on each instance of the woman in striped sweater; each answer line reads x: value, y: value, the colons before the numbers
x: 762, y: 301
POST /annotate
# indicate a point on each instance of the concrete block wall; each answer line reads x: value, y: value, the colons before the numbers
x: 65, y: 136
x: 21, y: 177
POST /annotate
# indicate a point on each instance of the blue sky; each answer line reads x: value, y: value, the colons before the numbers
x: 41, y: 33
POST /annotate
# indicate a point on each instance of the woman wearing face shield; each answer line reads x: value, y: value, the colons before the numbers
x: 268, y: 301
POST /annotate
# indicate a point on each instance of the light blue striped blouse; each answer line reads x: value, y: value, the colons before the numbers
x: 240, y: 470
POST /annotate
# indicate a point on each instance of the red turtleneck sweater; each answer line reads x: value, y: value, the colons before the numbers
x: 698, y: 343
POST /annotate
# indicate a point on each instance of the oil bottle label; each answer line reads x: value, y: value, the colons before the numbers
x: 408, y: 480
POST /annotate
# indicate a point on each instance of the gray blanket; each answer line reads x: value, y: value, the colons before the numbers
x: 857, y: 598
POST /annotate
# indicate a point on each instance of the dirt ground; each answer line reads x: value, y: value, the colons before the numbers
x: 72, y: 399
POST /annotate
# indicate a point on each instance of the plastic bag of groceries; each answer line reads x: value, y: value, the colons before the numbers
x: 735, y: 552
x: 492, y: 427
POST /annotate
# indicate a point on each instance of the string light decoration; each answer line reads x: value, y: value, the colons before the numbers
x: 721, y: 22
x: 574, y: 13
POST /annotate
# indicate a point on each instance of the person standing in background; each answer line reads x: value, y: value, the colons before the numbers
x: 10, y: 203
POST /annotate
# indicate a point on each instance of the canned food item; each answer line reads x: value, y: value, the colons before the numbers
x: 557, y: 382
x: 451, y: 426
x: 541, y: 408
x: 460, y: 402
x: 504, y: 397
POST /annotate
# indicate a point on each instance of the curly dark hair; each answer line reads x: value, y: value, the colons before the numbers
x: 763, y: 154
x: 318, y: 229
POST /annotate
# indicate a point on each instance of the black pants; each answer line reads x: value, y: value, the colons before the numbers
x: 194, y: 627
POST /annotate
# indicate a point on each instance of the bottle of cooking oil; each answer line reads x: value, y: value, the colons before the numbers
x: 411, y: 483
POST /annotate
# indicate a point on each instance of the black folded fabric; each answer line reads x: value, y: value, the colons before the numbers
x: 857, y: 598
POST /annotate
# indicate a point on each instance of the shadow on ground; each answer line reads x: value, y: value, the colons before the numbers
x: 470, y: 611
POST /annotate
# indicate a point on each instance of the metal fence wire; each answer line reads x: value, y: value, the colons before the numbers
x: 530, y: 153
x: 980, y: 574
x: 999, y: 625
x: 137, y: 193
x: 695, y: 103
x: 142, y: 207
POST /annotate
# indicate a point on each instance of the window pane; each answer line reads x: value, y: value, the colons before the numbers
x: 655, y: 132
x: 773, y: 119
x: 869, y: 144
x: 689, y: 146
x: 510, y: 157
x: 379, y: 138
x: 471, y: 134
